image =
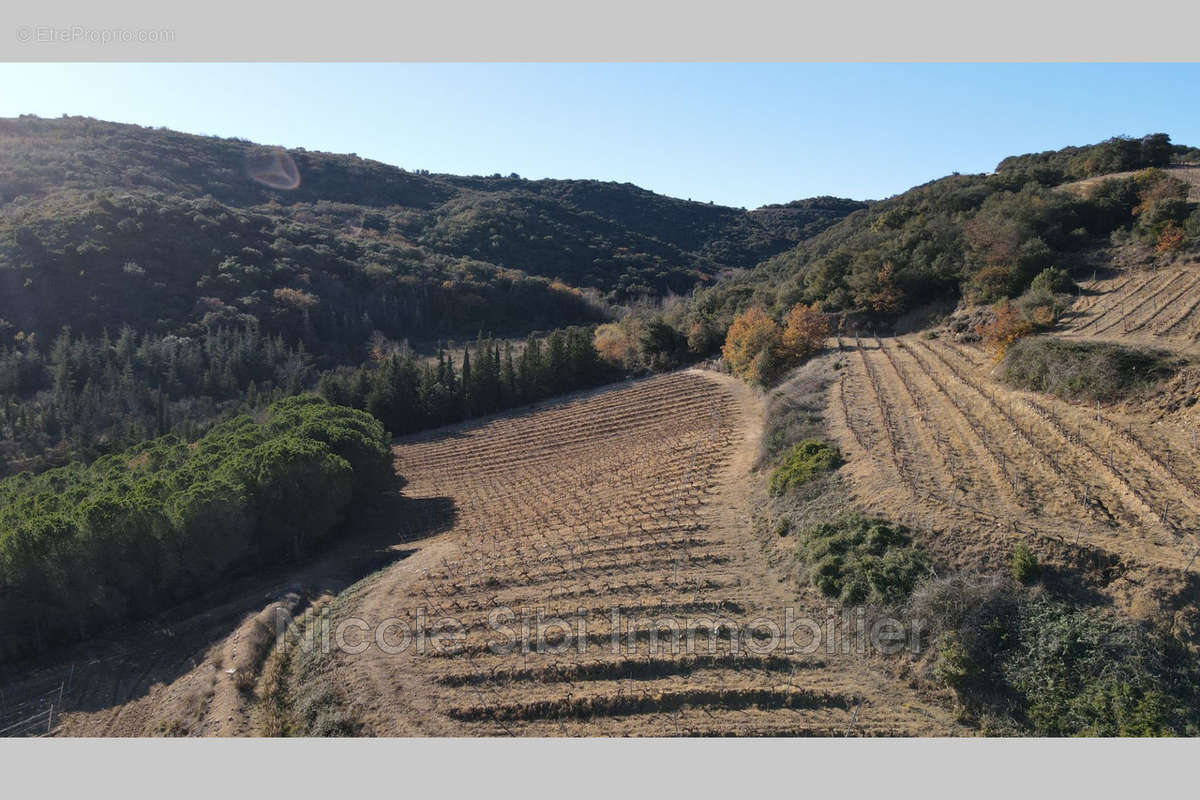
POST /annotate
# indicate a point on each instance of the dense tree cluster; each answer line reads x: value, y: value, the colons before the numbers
x: 409, y: 396
x: 1118, y: 154
x: 81, y: 397
x: 360, y: 236
x: 164, y: 264
x: 85, y: 546
x: 759, y: 349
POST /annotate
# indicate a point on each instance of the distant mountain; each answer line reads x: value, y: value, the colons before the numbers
x: 105, y: 224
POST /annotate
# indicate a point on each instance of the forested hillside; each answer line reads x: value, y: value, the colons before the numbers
x: 979, y: 237
x: 104, y: 224
x: 153, y: 281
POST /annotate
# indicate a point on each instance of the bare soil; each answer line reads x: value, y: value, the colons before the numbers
x: 637, y: 498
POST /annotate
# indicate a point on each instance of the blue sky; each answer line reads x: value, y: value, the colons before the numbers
x: 737, y: 134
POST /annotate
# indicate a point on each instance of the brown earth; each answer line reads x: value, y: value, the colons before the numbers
x: 636, y: 498
x: 639, y: 497
x: 934, y: 441
x: 1148, y: 307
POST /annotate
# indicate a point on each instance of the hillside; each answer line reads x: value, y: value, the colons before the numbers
x: 103, y: 224
x: 630, y: 499
x: 981, y: 238
x: 965, y: 462
x: 193, y: 290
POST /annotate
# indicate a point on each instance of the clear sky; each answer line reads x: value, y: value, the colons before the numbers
x: 737, y: 134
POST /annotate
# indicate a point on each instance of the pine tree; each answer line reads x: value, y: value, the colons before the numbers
x: 468, y: 386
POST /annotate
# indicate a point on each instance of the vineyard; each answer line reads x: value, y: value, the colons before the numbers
x: 629, y: 499
x: 938, y: 444
x: 1161, y: 305
x: 532, y: 529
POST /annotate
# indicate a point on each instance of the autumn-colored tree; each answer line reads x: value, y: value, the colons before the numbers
x: 296, y: 298
x: 887, y: 298
x: 1154, y: 185
x: 617, y: 342
x: 1170, y: 239
x: 805, y: 331
x: 995, y: 237
x: 1005, y: 328
x: 753, y: 346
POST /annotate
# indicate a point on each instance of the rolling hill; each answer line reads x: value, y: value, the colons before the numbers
x: 1021, y: 501
x: 103, y: 224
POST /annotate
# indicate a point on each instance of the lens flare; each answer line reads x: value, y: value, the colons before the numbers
x: 274, y: 169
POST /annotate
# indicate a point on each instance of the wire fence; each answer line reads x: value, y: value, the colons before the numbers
x: 33, y: 710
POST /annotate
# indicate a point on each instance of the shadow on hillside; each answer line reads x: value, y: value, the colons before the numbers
x: 121, y: 665
x: 1072, y: 586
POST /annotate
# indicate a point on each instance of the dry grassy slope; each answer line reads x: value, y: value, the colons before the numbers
x: 636, y: 497
x: 934, y: 441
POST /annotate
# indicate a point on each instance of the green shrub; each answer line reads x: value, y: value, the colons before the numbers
x: 1046, y: 668
x: 1191, y: 225
x: 805, y: 461
x: 1082, y: 371
x: 993, y: 284
x: 861, y: 560
x: 1024, y: 564
x: 1052, y: 280
x: 953, y: 664
x: 1085, y: 673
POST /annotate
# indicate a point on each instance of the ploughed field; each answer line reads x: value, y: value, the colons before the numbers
x: 934, y: 441
x: 632, y: 499
x: 1159, y: 306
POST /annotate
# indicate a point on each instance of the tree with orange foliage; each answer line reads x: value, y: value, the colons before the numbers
x: 1170, y: 240
x: 1005, y: 328
x: 754, y: 346
x: 616, y: 342
x: 805, y: 331
x: 887, y: 298
x: 759, y: 350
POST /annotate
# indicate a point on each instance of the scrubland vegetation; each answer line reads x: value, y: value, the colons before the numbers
x: 805, y: 461
x: 1022, y: 661
x: 1082, y: 371
x: 164, y: 322
x: 860, y: 560
x: 984, y: 238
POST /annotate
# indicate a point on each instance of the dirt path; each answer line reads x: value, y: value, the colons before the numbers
x: 638, y: 499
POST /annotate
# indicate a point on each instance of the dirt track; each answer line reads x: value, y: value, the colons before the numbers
x: 633, y: 498
x: 636, y: 497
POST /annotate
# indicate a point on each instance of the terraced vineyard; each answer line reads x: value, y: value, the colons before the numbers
x: 936, y: 442
x: 630, y: 499
x: 1161, y: 305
